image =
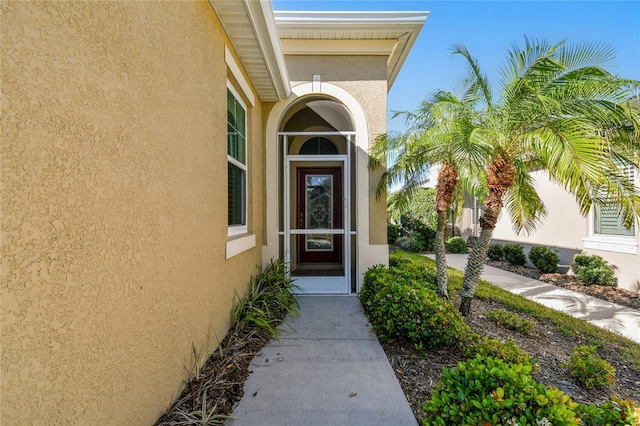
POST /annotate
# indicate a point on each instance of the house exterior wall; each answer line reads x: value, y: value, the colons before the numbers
x: 568, y: 233
x: 365, y: 78
x: 114, y: 221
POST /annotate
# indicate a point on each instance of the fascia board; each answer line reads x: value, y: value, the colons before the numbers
x: 264, y: 25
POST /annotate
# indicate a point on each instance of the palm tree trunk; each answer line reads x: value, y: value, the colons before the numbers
x: 475, y: 263
x: 441, y: 256
x: 445, y: 188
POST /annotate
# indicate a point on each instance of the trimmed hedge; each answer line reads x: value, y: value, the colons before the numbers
x: 401, y: 303
x: 514, y: 254
x: 544, y: 259
x: 455, y: 245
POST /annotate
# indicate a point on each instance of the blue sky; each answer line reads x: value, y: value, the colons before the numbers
x: 488, y: 29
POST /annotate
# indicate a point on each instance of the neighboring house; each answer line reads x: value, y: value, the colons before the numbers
x: 568, y: 233
x: 154, y: 155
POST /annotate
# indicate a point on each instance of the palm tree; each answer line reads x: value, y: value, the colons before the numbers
x: 436, y: 133
x: 559, y: 110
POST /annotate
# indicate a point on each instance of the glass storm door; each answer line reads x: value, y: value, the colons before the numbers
x: 319, y: 207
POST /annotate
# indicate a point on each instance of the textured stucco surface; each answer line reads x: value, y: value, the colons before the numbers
x: 114, y: 206
x: 565, y: 228
x: 365, y: 78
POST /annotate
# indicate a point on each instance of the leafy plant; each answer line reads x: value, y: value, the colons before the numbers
x: 487, y: 390
x: 510, y: 320
x: 593, y: 270
x: 616, y: 411
x: 393, y: 233
x: 495, y: 252
x: 514, y: 254
x: 544, y: 259
x: 456, y: 245
x: 422, y: 234
x: 508, y: 351
x: 589, y: 369
x: 402, y: 304
x: 269, y: 300
x: 409, y: 244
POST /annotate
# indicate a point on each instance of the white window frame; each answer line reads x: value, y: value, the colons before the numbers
x: 234, y: 230
x: 608, y: 242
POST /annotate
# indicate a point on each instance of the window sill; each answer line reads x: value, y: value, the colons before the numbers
x: 612, y: 243
x: 239, y: 244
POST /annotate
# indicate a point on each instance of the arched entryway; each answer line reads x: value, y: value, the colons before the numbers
x: 315, y: 143
x: 296, y: 137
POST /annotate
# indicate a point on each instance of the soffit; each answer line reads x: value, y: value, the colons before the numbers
x: 252, y: 30
x: 352, y: 33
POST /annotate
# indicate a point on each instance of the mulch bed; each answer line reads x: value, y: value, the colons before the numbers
x: 419, y: 372
x: 617, y: 295
x: 222, y: 377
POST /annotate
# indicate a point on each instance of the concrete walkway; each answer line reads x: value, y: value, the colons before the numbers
x: 330, y: 371
x: 613, y: 317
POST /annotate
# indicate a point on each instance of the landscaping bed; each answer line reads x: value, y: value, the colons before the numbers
x: 612, y: 294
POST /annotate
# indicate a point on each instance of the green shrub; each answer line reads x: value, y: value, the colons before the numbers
x: 495, y: 252
x: 374, y: 279
x: 589, y: 369
x: 269, y: 300
x: 418, y: 315
x: 491, y: 391
x: 544, y: 259
x: 414, y: 274
x: 508, y: 351
x: 593, y: 270
x: 456, y: 245
x: 393, y: 232
x: 614, y: 412
x: 408, y: 244
x: 423, y: 236
x: 510, y: 320
x: 401, y: 303
x: 514, y: 254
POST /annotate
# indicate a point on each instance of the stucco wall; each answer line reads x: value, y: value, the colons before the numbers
x: 563, y: 227
x: 365, y: 78
x: 565, y: 230
x: 114, y: 221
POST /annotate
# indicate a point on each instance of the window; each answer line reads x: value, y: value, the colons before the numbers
x: 607, y: 221
x: 236, y: 163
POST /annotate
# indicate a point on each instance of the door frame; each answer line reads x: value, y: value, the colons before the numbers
x: 330, y: 285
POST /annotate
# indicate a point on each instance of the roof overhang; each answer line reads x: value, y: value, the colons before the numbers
x: 252, y: 30
x: 261, y: 38
x: 390, y: 34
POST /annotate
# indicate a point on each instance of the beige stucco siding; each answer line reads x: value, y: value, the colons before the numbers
x: 563, y: 227
x: 114, y: 212
x: 365, y: 78
x: 567, y: 231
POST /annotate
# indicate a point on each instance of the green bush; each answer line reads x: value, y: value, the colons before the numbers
x: 401, y: 303
x: 593, y: 270
x: 413, y: 274
x: 510, y: 320
x: 456, y: 245
x: 269, y: 300
x: 589, y: 369
x: 495, y: 252
x: 393, y: 232
x: 374, y: 279
x: 423, y: 236
x: 614, y: 412
x: 508, y: 351
x: 409, y: 244
x: 544, y: 259
x: 514, y: 254
x: 491, y: 391
x: 418, y: 315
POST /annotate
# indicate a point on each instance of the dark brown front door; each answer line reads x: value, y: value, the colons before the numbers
x: 319, y: 206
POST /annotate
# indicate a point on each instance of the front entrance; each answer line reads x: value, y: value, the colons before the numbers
x: 318, y: 241
x: 319, y: 206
